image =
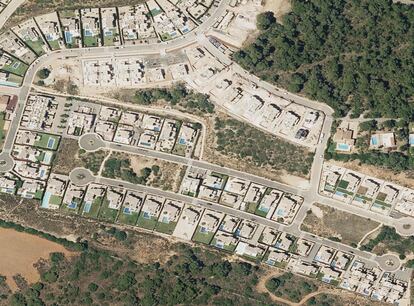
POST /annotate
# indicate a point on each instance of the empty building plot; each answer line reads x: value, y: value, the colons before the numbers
x: 91, y: 27
x: 110, y: 27
x: 136, y: 24
x: 31, y: 35
x: 71, y: 26
x: 50, y: 26
x: 13, y: 45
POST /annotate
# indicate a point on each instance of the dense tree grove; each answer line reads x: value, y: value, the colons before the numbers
x: 355, y: 55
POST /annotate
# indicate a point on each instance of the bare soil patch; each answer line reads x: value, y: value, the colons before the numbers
x: 22, y: 252
x: 278, y: 7
x: 336, y: 224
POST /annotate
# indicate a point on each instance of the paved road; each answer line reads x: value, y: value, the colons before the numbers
x: 9, y: 10
x: 310, y: 195
x: 257, y: 219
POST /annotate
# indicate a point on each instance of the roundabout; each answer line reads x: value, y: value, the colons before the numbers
x: 81, y: 176
x: 6, y: 162
x: 91, y: 142
x: 404, y: 226
x: 389, y: 262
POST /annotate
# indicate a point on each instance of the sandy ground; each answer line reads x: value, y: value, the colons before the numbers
x: 278, y: 7
x: 404, y: 178
x: 22, y: 252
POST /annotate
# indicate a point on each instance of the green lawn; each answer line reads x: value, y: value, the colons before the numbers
x: 179, y: 149
x: 17, y: 67
x: 54, y: 44
x: 130, y: 219
x: 252, y: 207
x: 90, y: 41
x: 166, y: 228
x: 343, y: 184
x: 39, y: 194
x: 93, y: 210
x: 16, y: 79
x: 36, y: 46
x: 146, y: 223
x: 43, y: 142
x: 55, y: 200
x: 106, y: 213
x: 109, y: 40
x: 260, y: 213
x: 202, y: 237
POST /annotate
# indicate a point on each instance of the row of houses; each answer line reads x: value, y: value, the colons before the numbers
x: 372, y: 193
x: 232, y: 234
x: 241, y: 194
x: 149, y: 22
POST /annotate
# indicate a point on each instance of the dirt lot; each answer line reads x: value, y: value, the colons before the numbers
x: 246, y: 164
x: 169, y: 176
x: 22, y: 252
x: 404, y: 178
x: 278, y: 7
x: 69, y: 156
x: 332, y: 223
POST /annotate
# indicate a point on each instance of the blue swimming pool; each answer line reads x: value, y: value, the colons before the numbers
x: 68, y: 37
x: 374, y: 140
x: 87, y: 207
x: 343, y: 147
x: 50, y: 143
x: 46, y: 199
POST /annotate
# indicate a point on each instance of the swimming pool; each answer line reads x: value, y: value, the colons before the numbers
x: 48, y: 158
x: 343, y: 147
x: 68, y: 37
x: 50, y: 143
x: 87, y: 207
x: 374, y: 140
x: 46, y: 199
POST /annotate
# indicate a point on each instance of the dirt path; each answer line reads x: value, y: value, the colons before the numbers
x: 261, y: 287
